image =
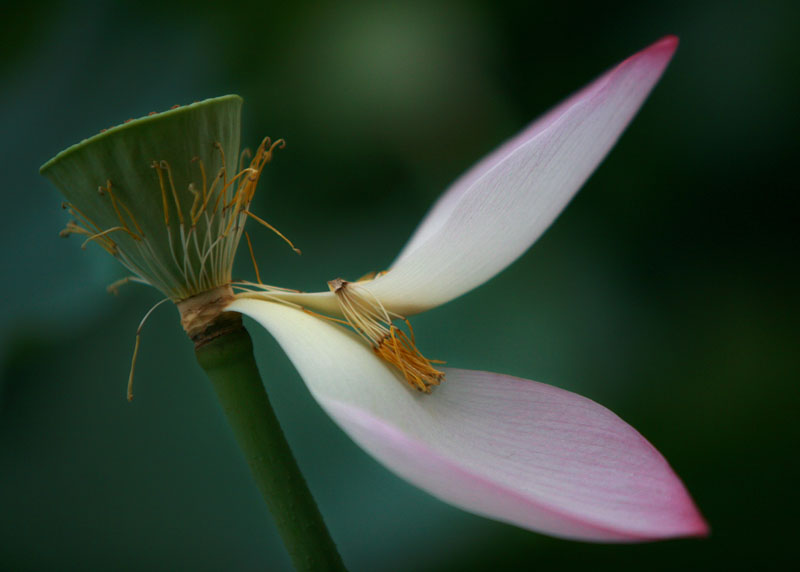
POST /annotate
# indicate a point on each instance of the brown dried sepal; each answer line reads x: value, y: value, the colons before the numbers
x: 203, y: 316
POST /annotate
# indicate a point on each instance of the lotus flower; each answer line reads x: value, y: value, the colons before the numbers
x: 510, y: 449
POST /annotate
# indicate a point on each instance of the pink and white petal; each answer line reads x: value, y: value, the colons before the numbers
x: 494, y: 212
x: 498, y: 208
x: 510, y: 449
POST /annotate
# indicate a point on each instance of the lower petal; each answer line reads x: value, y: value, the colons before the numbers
x: 510, y: 449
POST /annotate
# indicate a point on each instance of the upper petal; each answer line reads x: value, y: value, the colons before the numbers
x: 510, y: 449
x: 494, y: 212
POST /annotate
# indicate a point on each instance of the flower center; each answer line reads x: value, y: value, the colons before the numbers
x: 368, y: 317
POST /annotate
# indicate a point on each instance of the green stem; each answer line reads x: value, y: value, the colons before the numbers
x: 228, y: 360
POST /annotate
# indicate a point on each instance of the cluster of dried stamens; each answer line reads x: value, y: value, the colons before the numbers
x: 202, y: 242
x: 368, y: 317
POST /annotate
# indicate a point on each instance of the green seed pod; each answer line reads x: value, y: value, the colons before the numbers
x: 166, y: 194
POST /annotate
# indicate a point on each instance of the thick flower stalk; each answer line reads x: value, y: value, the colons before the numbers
x: 507, y: 448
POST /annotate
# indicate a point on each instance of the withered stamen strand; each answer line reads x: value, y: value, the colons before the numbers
x: 114, y: 287
x: 133, y: 218
x: 220, y: 177
x: 165, y: 166
x: 199, y: 162
x: 116, y: 203
x: 219, y: 148
x: 73, y: 228
x: 273, y: 229
x: 129, y: 392
x: 196, y: 200
x: 243, y: 156
x: 252, y: 256
x: 107, y: 189
x: 241, y: 190
x: 104, y: 233
x: 164, y: 203
x: 72, y: 209
x: 264, y: 287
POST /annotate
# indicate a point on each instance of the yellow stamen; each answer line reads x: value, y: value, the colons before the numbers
x: 273, y: 229
x: 165, y: 165
x: 133, y: 218
x: 244, y: 284
x: 220, y: 176
x: 114, y: 203
x: 114, y: 287
x: 73, y: 227
x: 243, y: 157
x: 207, y: 194
x: 368, y: 317
x: 252, y: 256
x: 218, y: 146
x: 241, y: 198
x: 247, y: 181
x: 192, y: 211
x: 278, y: 144
x: 102, y: 190
x: 240, y: 190
x: 164, y: 203
x: 401, y: 352
x: 72, y: 209
x: 199, y: 161
x: 104, y: 233
x: 129, y: 392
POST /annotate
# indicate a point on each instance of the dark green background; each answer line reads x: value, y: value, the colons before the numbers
x: 666, y: 291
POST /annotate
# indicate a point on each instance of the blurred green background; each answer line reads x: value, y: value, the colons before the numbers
x: 666, y: 291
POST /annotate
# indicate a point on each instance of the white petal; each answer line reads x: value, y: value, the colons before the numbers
x: 510, y: 449
x: 494, y: 212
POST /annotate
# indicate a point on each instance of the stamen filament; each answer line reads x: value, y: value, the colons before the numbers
x: 273, y: 229
x: 252, y: 256
x: 164, y: 204
x: 218, y: 146
x: 116, y: 203
x: 220, y: 176
x: 105, y: 232
x: 130, y: 214
x: 243, y: 156
x: 72, y: 209
x: 129, y: 392
x: 199, y: 161
x: 267, y: 287
x: 196, y: 200
x: 114, y: 287
x: 105, y: 189
x: 165, y: 165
